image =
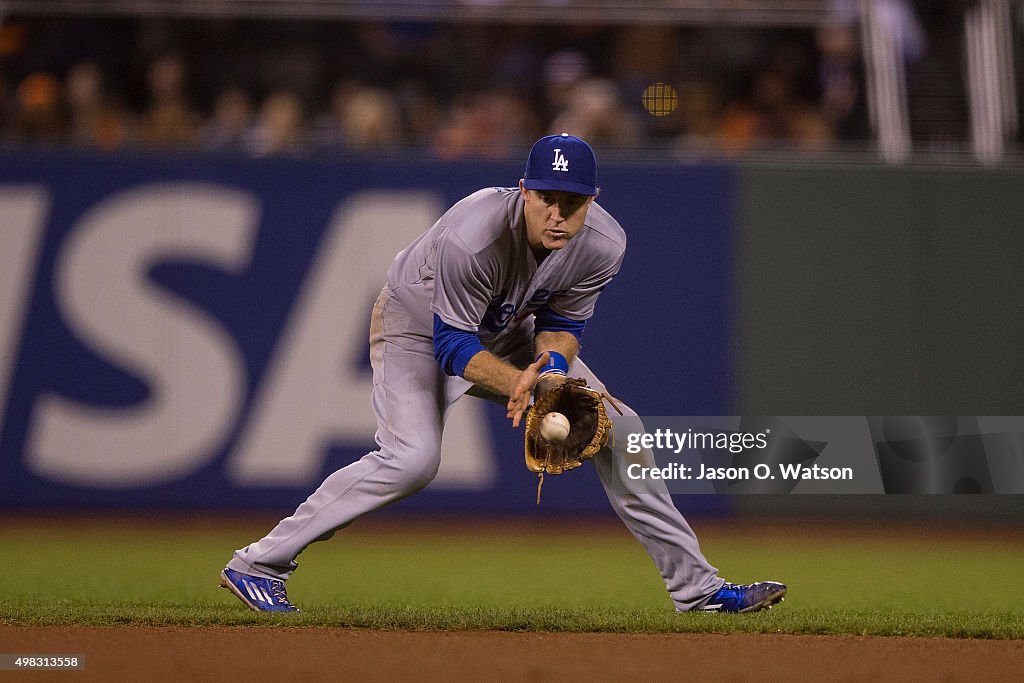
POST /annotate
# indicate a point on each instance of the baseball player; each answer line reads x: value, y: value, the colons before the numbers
x: 491, y: 301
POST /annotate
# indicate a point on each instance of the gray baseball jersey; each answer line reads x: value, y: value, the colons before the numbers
x: 474, y: 269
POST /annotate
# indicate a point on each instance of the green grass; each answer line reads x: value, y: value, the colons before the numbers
x: 587, y: 582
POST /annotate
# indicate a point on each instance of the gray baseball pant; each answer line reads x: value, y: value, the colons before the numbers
x: 411, y: 396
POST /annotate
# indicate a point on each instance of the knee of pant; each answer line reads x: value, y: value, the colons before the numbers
x: 419, y: 477
x: 414, y: 471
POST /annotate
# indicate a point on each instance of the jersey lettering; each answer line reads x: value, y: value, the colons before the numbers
x: 500, y: 313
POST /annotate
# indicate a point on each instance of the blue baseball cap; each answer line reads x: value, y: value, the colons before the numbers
x: 561, y: 162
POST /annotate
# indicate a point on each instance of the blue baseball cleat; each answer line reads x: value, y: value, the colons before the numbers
x: 732, y: 597
x: 262, y: 595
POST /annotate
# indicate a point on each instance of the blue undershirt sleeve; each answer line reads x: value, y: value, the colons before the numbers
x: 549, y: 321
x: 453, y: 348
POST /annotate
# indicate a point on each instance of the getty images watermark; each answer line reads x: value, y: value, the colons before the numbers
x: 709, y: 442
x: 853, y: 454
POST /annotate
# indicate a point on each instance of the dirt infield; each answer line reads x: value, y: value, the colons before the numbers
x: 221, y: 654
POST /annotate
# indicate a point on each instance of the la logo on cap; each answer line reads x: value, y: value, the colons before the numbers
x: 561, y: 163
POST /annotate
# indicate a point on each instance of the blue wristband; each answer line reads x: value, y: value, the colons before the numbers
x: 557, y: 364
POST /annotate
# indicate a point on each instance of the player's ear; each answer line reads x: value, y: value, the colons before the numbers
x: 522, y: 188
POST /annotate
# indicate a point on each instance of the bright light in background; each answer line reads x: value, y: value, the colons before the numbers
x: 660, y: 99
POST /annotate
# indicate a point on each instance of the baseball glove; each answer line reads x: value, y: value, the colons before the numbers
x: 590, y: 429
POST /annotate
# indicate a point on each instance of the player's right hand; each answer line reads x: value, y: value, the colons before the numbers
x: 522, y: 389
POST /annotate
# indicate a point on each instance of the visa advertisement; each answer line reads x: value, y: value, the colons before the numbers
x: 191, y: 332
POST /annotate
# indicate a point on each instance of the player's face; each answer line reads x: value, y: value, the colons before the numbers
x: 553, y: 217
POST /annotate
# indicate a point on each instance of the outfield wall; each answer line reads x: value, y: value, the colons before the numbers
x: 191, y: 331
x: 880, y: 290
x: 871, y: 290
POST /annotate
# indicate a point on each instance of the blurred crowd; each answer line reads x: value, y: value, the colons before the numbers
x: 456, y: 89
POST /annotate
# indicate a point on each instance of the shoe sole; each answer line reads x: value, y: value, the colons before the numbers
x: 769, y: 600
x: 225, y: 582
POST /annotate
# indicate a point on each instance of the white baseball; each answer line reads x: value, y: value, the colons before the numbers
x: 554, y: 426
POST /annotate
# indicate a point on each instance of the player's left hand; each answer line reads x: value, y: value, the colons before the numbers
x: 519, y: 397
x: 548, y: 382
